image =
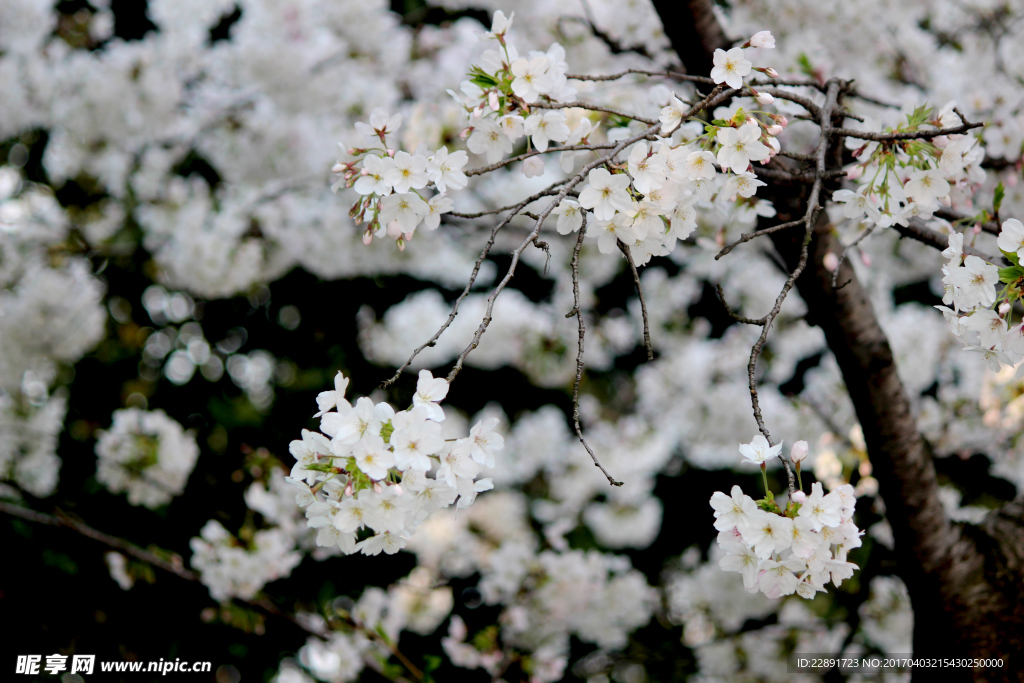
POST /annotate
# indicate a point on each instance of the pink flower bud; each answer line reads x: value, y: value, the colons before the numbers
x: 774, y: 130
x: 941, y: 142
x: 364, y: 171
x: 492, y: 100
x: 367, y: 238
x: 798, y: 452
x: 398, y: 488
x: 977, y: 228
x: 1004, y: 308
x: 464, y: 133
x: 394, y: 230
x: 865, y: 259
x: 771, y: 73
x: 353, y: 151
x: 780, y: 120
x: 831, y: 262
x: 764, y: 98
x: 391, y: 153
x: 338, y: 168
x: 855, y: 172
x: 799, y: 497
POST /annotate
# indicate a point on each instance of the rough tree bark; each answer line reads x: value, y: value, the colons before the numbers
x: 965, y: 582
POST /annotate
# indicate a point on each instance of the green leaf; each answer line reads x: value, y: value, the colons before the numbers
x: 997, y: 199
x: 919, y: 116
x: 1012, y: 257
x: 1010, y: 275
x: 805, y: 65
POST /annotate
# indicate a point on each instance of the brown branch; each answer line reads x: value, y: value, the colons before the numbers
x: 579, y: 353
x: 624, y: 248
x: 906, y: 135
x: 918, y: 230
x: 746, y: 237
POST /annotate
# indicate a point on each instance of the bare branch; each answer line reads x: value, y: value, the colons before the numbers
x: 579, y: 354
x: 846, y: 250
x: 747, y: 236
x: 592, y: 107
x: 907, y: 135
x: 624, y: 248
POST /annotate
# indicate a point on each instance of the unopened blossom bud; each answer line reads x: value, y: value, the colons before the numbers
x: 464, y: 133
x: 533, y: 167
x: 338, y: 168
x: 799, y: 497
x: 408, y: 236
x: 831, y: 262
x: 353, y: 151
x: 780, y: 120
x: 763, y: 39
x: 941, y: 142
x: 394, y: 230
x: 771, y: 73
x: 977, y: 228
x: 764, y: 98
x: 798, y: 452
x: 365, y: 171
x: 391, y: 153
x: 865, y: 259
x: 855, y: 172
x: 774, y: 130
x: 1004, y: 308
x: 401, y: 247
x: 492, y: 100
x: 367, y: 238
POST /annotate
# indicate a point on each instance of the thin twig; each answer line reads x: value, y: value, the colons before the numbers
x: 846, y: 250
x: 579, y: 353
x: 592, y: 107
x: 511, y: 160
x: 624, y: 248
x: 747, y: 236
x: 906, y: 135
x: 734, y: 315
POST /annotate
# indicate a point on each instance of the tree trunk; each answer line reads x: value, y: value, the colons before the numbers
x: 965, y: 582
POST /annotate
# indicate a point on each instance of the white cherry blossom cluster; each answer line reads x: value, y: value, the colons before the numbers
x: 367, y: 467
x: 390, y: 182
x: 231, y: 568
x: 796, y: 550
x: 898, y: 181
x: 979, y: 318
x: 147, y: 454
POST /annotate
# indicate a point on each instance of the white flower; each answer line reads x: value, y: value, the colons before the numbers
x: 759, y: 450
x: 567, y: 160
x: 730, y: 67
x: 348, y: 427
x: 512, y: 125
x: 306, y: 453
x: 927, y: 186
x: 648, y: 171
x: 546, y: 127
x: 763, y: 39
x: 742, y: 184
x: 414, y: 444
x: 531, y: 78
x: 406, y: 208
x: 354, y: 512
x: 1011, y: 238
x: 768, y: 533
x: 457, y: 463
x: 445, y: 170
x: 734, y: 511
x: 437, y: 205
x: 990, y: 327
x: 408, y: 172
x: 857, y: 204
x: 484, y: 441
x: 777, y: 578
x: 570, y: 216
x: 381, y: 124
x: 805, y: 539
x: 955, y: 250
x: 646, y: 219
x: 605, y: 194
x: 533, y: 167
x: 499, y: 25
x: 741, y: 559
x: 429, y: 391
x: 373, y: 457
x: 375, y: 181
x: 326, y: 400
x: 672, y: 115
x: 821, y: 510
x: 388, y: 542
x: 489, y: 139
x: 974, y: 283
x: 740, y: 147
x: 608, y: 233
x: 700, y: 165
